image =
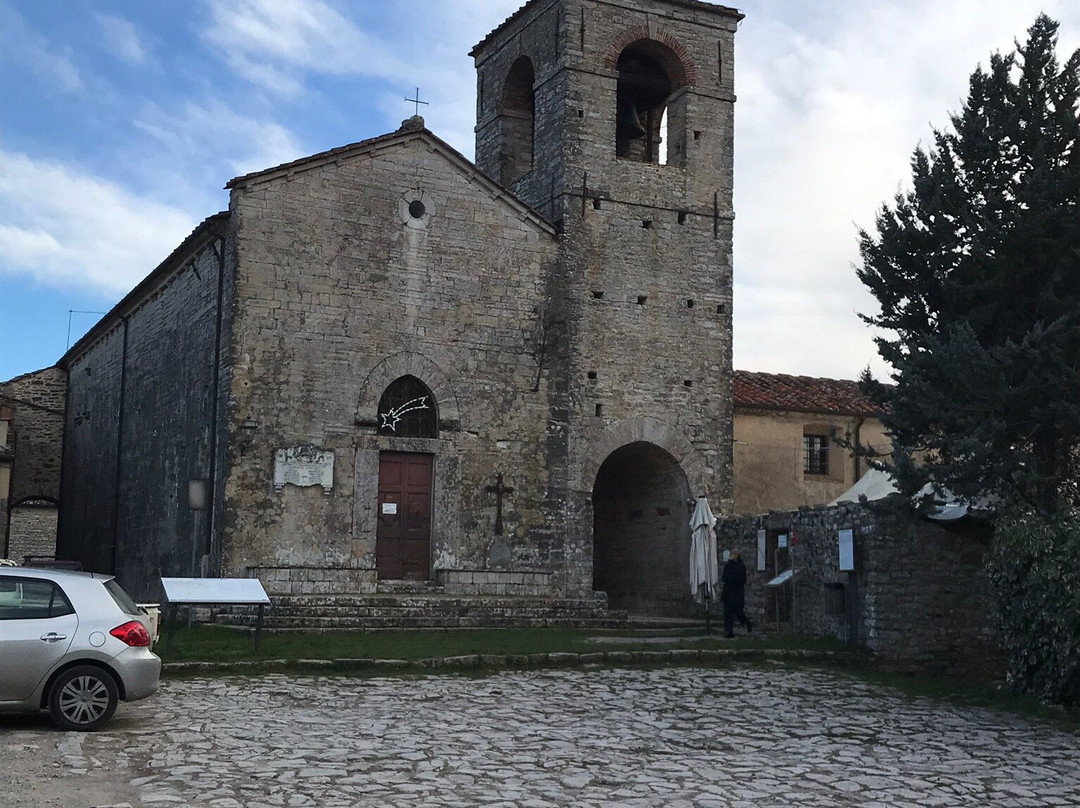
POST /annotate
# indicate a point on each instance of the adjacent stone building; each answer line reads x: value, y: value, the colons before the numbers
x: 385, y: 363
x: 31, y: 438
x: 786, y: 449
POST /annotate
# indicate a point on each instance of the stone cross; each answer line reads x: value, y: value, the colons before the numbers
x: 416, y: 101
x: 498, y: 490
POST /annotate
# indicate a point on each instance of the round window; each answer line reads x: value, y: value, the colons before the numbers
x: 417, y: 209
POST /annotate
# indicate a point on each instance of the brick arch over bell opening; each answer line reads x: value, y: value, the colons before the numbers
x: 680, y: 69
x: 406, y: 363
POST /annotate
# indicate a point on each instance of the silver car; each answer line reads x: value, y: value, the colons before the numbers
x: 72, y: 643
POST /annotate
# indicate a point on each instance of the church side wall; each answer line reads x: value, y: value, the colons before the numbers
x: 339, y: 293
x: 164, y: 364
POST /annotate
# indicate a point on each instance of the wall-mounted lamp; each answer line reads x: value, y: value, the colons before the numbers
x: 247, y: 433
x: 198, y: 494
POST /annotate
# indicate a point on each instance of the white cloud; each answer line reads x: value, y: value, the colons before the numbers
x: 239, y: 143
x: 831, y: 102
x: 46, y: 61
x: 65, y: 227
x: 122, y: 39
x: 278, y: 45
x: 274, y: 42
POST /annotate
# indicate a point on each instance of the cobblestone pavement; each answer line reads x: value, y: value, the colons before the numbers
x: 672, y: 737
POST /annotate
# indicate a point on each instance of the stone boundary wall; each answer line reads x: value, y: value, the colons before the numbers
x: 919, y: 598
x: 336, y: 580
x: 495, y: 582
x: 301, y: 580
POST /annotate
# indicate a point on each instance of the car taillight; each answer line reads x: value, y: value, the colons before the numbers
x: 133, y: 633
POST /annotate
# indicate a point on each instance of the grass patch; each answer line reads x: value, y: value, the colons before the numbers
x: 986, y: 694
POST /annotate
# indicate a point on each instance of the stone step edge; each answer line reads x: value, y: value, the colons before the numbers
x: 678, y: 656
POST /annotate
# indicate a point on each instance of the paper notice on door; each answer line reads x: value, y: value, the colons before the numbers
x: 389, y: 508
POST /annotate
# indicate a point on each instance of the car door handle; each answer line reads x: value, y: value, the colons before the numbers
x: 52, y: 636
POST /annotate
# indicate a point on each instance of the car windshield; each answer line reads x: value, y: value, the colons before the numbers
x: 122, y: 598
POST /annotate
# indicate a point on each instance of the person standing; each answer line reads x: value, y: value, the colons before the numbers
x: 733, y: 595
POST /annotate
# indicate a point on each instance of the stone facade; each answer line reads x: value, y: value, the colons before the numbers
x: 30, y: 454
x: 918, y: 598
x: 570, y: 337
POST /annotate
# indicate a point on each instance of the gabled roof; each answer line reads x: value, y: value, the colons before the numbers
x: 694, y: 4
x: 775, y: 391
x: 411, y: 129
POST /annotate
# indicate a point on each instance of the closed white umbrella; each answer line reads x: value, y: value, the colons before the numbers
x: 704, y: 570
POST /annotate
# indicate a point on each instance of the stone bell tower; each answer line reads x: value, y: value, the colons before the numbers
x: 614, y: 120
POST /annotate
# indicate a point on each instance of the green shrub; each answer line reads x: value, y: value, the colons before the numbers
x: 1034, y: 569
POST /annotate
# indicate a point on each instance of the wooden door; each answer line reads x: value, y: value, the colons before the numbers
x: 403, y: 535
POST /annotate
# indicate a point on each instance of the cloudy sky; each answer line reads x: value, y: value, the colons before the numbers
x: 120, y: 122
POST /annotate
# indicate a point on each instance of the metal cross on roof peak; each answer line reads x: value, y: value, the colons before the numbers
x: 416, y: 101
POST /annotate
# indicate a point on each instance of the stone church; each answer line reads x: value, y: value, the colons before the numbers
x: 387, y: 368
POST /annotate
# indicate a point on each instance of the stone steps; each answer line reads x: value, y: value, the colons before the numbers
x: 324, y: 613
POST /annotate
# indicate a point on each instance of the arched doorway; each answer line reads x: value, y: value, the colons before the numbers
x: 407, y: 409
x: 641, y: 530
x: 32, y: 528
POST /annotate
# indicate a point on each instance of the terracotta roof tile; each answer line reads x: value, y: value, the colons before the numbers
x: 776, y: 391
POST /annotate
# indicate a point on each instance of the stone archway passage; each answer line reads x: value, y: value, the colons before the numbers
x: 641, y: 530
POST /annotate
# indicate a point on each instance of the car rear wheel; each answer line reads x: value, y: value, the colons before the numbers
x: 83, y: 698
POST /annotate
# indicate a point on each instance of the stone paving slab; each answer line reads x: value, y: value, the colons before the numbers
x: 680, y: 737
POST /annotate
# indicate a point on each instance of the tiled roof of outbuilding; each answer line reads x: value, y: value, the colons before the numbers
x: 776, y: 391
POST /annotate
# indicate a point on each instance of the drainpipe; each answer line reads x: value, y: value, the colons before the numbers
x: 212, y: 517
x: 119, y: 449
x: 858, y: 449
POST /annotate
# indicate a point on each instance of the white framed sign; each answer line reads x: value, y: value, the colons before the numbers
x: 846, y: 542
x: 214, y: 590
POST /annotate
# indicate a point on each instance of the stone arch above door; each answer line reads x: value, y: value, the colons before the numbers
x: 650, y: 430
x: 407, y: 363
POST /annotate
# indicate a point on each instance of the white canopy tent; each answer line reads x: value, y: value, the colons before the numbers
x: 876, y: 485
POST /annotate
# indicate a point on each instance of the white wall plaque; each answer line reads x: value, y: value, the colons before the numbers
x: 304, y: 466
x: 761, y: 550
x: 389, y: 508
x: 781, y: 541
x: 846, y: 540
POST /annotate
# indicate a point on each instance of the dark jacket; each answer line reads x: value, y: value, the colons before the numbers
x: 734, y: 580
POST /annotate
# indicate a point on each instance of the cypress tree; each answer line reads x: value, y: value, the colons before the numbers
x: 977, y: 274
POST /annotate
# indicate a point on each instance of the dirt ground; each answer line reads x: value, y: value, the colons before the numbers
x: 35, y: 770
